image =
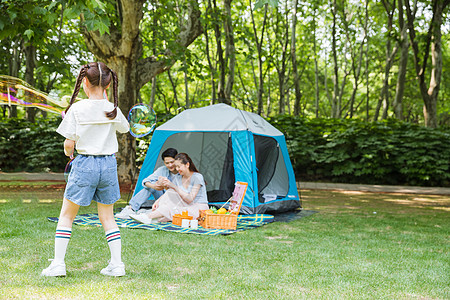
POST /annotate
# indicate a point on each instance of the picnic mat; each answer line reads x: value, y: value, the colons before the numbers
x: 244, y: 222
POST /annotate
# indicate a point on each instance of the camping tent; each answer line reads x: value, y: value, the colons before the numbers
x: 228, y: 145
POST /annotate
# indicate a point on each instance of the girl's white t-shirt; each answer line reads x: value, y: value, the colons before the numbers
x: 93, y: 132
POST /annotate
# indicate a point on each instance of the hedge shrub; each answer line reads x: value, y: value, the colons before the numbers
x: 352, y: 151
x: 347, y: 151
x: 31, y: 147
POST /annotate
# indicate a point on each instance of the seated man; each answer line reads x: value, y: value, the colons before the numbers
x: 151, y: 184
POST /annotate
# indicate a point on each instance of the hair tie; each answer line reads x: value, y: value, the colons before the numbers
x: 100, y: 70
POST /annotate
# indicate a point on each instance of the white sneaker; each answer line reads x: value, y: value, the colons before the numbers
x: 55, y: 269
x: 114, y: 270
x: 142, y: 218
x: 143, y: 211
x: 125, y: 213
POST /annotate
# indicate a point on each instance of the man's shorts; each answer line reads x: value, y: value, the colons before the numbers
x: 93, y: 178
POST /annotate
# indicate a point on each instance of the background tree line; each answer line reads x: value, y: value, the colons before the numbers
x: 368, y: 60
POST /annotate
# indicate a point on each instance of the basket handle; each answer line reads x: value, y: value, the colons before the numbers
x: 226, y: 202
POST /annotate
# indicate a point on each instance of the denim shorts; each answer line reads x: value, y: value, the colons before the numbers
x: 93, y: 178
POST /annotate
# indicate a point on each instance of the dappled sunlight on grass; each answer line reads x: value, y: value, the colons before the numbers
x: 352, y: 192
x: 40, y: 192
x: 47, y: 201
x: 423, y: 202
x: 342, y: 201
x: 359, y: 246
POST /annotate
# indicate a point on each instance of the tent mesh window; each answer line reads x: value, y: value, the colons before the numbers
x: 212, y: 154
x: 273, y: 178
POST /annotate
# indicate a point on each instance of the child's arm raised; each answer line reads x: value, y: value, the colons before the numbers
x: 69, y: 147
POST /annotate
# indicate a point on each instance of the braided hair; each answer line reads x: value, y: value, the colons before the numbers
x: 98, y: 74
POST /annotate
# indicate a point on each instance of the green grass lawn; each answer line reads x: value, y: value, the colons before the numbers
x: 359, y: 246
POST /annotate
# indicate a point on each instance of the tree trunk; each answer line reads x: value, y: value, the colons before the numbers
x: 227, y: 60
x: 268, y: 102
x: 174, y: 89
x: 402, y: 65
x: 325, y: 83
x: 30, y: 65
x: 14, y: 67
x: 316, y: 67
x: 367, y: 82
x: 335, y: 107
x: 16, y: 59
x: 186, y: 85
x: 247, y: 104
x: 433, y: 40
x: 128, y: 94
x: 258, y: 42
x: 230, y: 51
x: 156, y: 17
x: 356, y: 65
x: 298, y: 93
x: 121, y: 50
x: 153, y: 93
x: 281, y: 104
x: 384, y: 95
x: 212, y: 68
x: 283, y: 41
x: 220, y: 56
x: 436, y: 62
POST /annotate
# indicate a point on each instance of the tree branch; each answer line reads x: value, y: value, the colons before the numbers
x: 429, y: 37
x: 102, y: 46
x: 119, y: 42
x: 132, y: 14
x: 149, y: 67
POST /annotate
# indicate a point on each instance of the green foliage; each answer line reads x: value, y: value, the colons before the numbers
x: 260, y: 3
x: 93, y: 14
x: 53, y: 28
x: 33, y: 147
x: 31, y: 19
x: 352, y: 151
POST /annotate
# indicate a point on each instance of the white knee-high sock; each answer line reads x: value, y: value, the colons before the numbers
x: 115, y: 245
x: 62, y: 238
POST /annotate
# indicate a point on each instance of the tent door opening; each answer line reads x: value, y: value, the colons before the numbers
x: 212, y: 153
x: 273, y: 178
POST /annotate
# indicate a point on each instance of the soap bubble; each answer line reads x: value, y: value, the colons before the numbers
x: 142, y: 119
x: 15, y: 91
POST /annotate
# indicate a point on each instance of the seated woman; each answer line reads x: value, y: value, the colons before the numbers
x: 186, y: 192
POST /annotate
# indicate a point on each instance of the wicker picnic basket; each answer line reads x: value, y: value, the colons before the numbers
x: 225, y: 221
x: 217, y: 221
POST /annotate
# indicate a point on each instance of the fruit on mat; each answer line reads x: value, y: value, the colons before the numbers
x: 222, y: 210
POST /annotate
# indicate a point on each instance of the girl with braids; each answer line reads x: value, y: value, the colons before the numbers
x: 90, y: 127
x: 186, y: 192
